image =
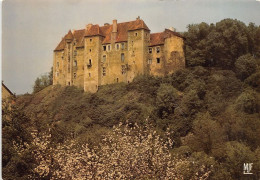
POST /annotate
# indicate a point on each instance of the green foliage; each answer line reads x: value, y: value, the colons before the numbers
x: 166, y: 100
x: 208, y: 135
x: 236, y: 155
x: 43, y: 81
x: 254, y: 81
x: 247, y: 102
x: 220, y: 44
x: 245, y: 66
x: 15, y: 130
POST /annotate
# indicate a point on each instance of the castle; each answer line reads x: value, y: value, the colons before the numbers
x: 117, y: 52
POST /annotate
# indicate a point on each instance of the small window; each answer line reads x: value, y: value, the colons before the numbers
x: 89, y: 74
x: 75, y: 63
x: 58, y: 64
x: 136, y: 34
x: 104, y: 48
x: 122, y: 57
x: 57, y: 74
x: 108, y: 47
x: 150, y: 50
x: 117, y: 79
x: 117, y: 46
x: 149, y: 61
x: 69, y: 83
x: 122, y: 45
x: 75, y: 53
x: 123, y: 69
x: 157, y: 49
x: 104, y: 71
x: 89, y: 62
x: 158, y: 60
x: 104, y: 58
x: 89, y: 50
x: 74, y: 75
x: 90, y: 40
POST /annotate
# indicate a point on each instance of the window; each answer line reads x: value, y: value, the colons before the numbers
x: 116, y: 79
x: 89, y: 63
x: 57, y: 64
x: 122, y: 57
x: 150, y: 50
x: 89, y: 50
x: 122, y: 45
x: 157, y: 49
x: 57, y: 74
x: 158, y: 60
x: 89, y: 74
x: 75, y: 53
x: 117, y: 46
x: 123, y: 69
x: 104, y: 48
x: 104, y: 58
x: 149, y: 61
x: 104, y: 71
x: 90, y: 40
x: 75, y: 63
x: 74, y: 75
x: 136, y: 34
x: 108, y: 47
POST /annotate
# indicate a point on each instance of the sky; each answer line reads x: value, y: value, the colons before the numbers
x: 31, y: 29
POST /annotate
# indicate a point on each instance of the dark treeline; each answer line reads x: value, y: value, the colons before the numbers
x: 220, y: 44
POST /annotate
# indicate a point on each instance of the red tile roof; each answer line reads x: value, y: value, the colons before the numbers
x: 122, y: 34
x: 79, y: 36
x: 158, y: 38
x: 69, y: 36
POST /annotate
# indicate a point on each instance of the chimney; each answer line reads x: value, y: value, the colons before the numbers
x: 138, y: 18
x: 88, y: 26
x: 172, y: 29
x: 114, y: 26
x: 73, y: 31
x: 106, y: 24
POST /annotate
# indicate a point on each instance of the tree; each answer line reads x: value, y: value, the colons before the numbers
x: 219, y: 45
x: 15, y: 133
x: 245, y: 66
x: 126, y: 153
x: 247, y: 102
x: 166, y: 99
x: 43, y: 81
x: 208, y: 135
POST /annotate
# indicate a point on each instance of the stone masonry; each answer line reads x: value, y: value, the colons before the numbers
x: 117, y: 52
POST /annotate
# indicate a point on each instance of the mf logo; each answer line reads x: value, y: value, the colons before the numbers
x: 247, y: 168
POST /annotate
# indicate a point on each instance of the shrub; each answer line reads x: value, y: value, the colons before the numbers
x: 247, y: 102
x: 245, y: 66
